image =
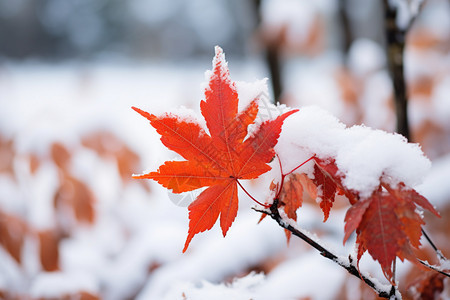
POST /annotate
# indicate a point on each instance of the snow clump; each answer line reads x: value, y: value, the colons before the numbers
x: 363, y: 155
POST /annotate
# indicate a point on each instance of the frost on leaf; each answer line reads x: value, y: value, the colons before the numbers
x: 219, y: 159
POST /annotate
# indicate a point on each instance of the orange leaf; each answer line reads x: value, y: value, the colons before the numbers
x: 216, y: 160
x: 291, y: 197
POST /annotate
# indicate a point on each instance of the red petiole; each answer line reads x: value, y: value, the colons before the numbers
x: 265, y: 205
x: 251, y: 197
x: 292, y: 171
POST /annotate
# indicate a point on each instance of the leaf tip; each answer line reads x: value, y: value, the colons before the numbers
x: 136, y: 109
x: 346, y: 237
x: 218, y: 51
x: 188, y: 241
x: 142, y: 176
x: 220, y: 65
x: 143, y: 113
x: 288, y: 113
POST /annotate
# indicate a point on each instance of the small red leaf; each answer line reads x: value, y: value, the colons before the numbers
x: 327, y: 190
x: 291, y: 197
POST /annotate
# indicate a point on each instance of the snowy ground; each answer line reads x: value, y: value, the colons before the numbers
x: 50, y: 120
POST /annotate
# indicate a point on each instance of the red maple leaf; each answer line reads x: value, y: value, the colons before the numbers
x: 329, y: 183
x: 387, y: 225
x: 327, y: 191
x: 216, y: 160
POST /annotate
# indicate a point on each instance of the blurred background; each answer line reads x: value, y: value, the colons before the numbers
x: 74, y: 224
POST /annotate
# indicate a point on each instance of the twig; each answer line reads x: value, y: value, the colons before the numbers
x: 350, y: 267
x: 438, y: 252
x: 426, y: 264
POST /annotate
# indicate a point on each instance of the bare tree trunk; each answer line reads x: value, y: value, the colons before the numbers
x: 347, y: 37
x: 395, y: 46
x: 273, y: 61
x: 272, y: 58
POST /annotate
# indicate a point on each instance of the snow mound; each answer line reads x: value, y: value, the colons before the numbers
x: 241, y: 288
x: 48, y: 285
x: 362, y: 154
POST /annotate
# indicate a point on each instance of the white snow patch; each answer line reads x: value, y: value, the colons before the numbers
x: 315, y: 85
x: 227, y: 256
x: 11, y: 274
x: 440, y: 101
x: 435, y: 186
x: 362, y: 154
x: 240, y: 289
x: 57, y: 284
x: 376, y: 97
x: 365, y: 57
x: 296, y: 17
x: 42, y: 188
x: 249, y: 91
x: 304, y: 275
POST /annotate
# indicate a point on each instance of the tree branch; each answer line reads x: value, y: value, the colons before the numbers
x: 435, y: 268
x: 438, y: 252
x: 274, y: 213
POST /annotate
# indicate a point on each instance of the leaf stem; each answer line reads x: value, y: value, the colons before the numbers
x: 300, y: 165
x: 284, y: 175
x: 251, y: 197
x: 280, y: 187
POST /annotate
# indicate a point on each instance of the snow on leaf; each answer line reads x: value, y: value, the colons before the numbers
x: 219, y: 159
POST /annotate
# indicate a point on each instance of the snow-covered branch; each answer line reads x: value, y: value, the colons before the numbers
x: 382, y: 290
